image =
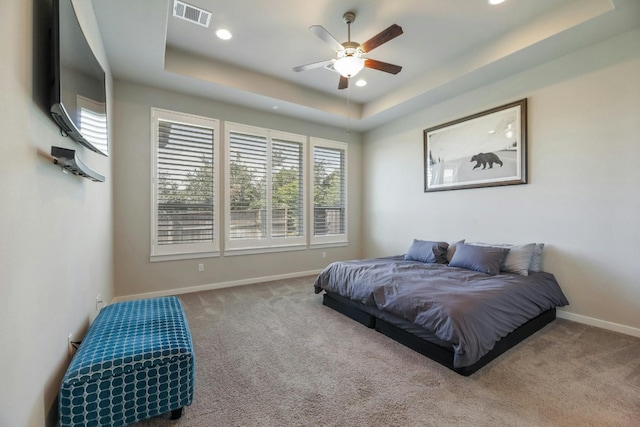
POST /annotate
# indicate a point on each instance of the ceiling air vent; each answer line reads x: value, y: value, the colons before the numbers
x: 191, y: 13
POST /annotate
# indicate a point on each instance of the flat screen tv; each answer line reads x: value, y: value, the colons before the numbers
x: 78, y: 95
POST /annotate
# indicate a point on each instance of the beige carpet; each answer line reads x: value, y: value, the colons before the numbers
x: 273, y: 355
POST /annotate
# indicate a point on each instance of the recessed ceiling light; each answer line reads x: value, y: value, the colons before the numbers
x: 361, y: 82
x: 223, y: 34
x: 275, y: 107
x: 495, y: 1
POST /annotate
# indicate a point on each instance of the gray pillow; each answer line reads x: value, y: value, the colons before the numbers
x: 452, y: 249
x: 427, y: 251
x: 519, y: 258
x: 485, y: 259
x: 536, y: 258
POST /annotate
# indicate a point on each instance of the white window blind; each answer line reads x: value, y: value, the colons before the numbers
x: 265, y: 188
x: 329, y: 191
x: 184, y: 182
x: 248, y: 189
x: 287, y: 194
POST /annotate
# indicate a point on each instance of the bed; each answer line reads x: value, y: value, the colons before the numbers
x: 461, y: 305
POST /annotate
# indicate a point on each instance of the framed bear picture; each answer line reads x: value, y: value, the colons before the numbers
x: 482, y: 150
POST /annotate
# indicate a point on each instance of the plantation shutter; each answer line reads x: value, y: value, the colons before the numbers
x: 287, y: 192
x: 247, y: 185
x: 185, y: 183
x: 329, y: 191
x: 265, y: 189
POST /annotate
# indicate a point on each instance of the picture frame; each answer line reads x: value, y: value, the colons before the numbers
x: 481, y: 150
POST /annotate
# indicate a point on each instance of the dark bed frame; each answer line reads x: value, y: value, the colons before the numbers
x: 433, y: 351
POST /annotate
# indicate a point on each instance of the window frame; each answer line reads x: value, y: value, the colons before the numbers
x: 269, y: 243
x: 185, y: 250
x: 331, y: 240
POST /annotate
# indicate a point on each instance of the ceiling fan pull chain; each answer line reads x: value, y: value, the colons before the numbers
x: 348, y: 111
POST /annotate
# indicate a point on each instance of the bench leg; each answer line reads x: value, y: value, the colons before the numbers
x: 176, y: 414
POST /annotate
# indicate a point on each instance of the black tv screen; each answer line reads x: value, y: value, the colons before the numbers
x: 78, y: 100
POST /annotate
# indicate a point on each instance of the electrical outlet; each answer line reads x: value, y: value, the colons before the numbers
x: 69, y: 346
x: 99, y: 302
x: 200, y: 267
x: 324, y: 254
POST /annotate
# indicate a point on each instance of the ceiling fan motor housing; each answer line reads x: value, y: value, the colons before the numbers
x: 352, y: 49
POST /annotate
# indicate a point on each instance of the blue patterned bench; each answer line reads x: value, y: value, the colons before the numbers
x: 136, y: 362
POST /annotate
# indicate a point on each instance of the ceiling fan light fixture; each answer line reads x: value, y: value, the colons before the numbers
x: 349, y: 65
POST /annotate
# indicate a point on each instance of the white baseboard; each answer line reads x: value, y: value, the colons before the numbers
x: 616, y: 327
x: 216, y: 286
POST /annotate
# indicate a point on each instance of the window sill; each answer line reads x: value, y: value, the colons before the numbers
x: 175, y: 257
x: 329, y: 245
x: 272, y: 249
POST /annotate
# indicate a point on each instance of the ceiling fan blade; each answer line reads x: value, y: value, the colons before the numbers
x: 384, y: 36
x: 313, y: 65
x: 382, y: 66
x: 344, y: 82
x: 326, y: 36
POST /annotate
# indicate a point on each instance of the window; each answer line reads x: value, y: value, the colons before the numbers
x: 184, y: 176
x: 329, y: 223
x: 264, y: 189
x: 266, y: 192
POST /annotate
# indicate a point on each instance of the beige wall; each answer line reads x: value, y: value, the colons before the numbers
x: 55, y: 229
x: 134, y: 273
x: 583, y: 198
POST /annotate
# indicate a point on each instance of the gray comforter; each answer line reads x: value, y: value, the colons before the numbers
x: 468, y: 309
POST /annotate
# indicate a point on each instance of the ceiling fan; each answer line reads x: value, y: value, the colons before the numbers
x: 350, y: 55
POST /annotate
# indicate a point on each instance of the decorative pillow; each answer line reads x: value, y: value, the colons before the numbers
x: 452, y: 249
x: 517, y: 260
x: 427, y: 251
x: 485, y: 259
x: 536, y: 258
